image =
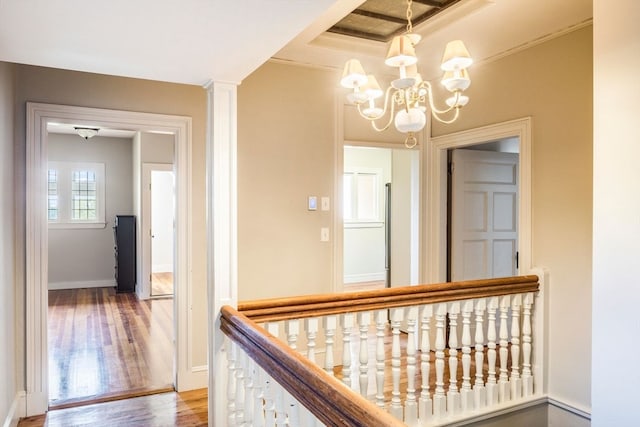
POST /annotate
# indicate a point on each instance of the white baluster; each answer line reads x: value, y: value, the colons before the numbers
x: 397, y: 315
x: 258, y: 397
x: 249, y: 378
x: 271, y: 386
x: 466, y: 392
x: 364, y: 319
x: 527, y: 377
x: 232, y: 360
x: 381, y: 324
x: 269, y: 402
x: 240, y: 387
x: 492, y: 385
x: 281, y: 415
x: 479, y: 391
x: 515, y: 380
x: 503, y: 382
x: 292, y: 329
x: 411, y: 403
x: 425, y: 411
x: 311, y: 327
x: 347, y: 329
x: 439, y: 398
x: 453, y: 396
x: 329, y: 324
x: 294, y: 415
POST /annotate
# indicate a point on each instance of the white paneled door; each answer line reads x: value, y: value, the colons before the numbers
x: 484, y: 214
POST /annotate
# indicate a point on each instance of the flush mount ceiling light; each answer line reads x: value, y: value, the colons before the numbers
x: 409, y: 94
x: 86, y: 132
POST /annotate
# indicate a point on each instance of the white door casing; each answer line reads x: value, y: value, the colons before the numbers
x: 38, y: 115
x: 434, y: 258
x: 484, y: 217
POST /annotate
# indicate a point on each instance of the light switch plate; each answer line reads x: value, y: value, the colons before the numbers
x: 324, y: 234
x: 324, y: 204
x: 312, y: 203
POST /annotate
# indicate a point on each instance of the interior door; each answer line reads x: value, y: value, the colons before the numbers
x: 484, y: 213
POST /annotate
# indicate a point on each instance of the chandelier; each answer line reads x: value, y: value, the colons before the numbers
x: 409, y: 97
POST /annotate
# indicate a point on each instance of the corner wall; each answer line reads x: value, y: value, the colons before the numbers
x: 11, y: 371
x: 552, y: 83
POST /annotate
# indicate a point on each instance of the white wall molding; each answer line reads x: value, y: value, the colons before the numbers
x: 38, y: 115
x: 434, y: 259
x: 222, y: 222
x: 16, y: 411
x: 107, y: 283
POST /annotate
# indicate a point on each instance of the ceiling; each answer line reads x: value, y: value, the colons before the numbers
x: 195, y: 41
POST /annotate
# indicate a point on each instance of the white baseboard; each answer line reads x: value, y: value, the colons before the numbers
x: 162, y: 268
x: 196, y: 378
x: 109, y: 283
x: 16, y: 411
x: 367, y: 277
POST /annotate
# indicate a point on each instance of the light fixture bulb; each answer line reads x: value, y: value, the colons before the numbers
x: 86, y: 132
x: 456, y: 56
x: 401, y: 52
x: 353, y: 75
x: 456, y: 80
x: 412, y: 120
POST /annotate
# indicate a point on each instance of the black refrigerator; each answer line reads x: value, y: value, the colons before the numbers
x: 124, y: 233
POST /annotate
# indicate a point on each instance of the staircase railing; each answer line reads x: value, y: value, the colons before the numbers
x: 418, y: 355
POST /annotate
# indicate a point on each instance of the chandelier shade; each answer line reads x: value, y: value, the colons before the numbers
x: 409, y: 98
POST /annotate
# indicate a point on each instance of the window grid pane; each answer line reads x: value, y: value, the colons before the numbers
x: 83, y: 195
x: 52, y: 195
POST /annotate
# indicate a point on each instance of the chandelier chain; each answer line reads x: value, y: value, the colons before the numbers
x: 409, y: 16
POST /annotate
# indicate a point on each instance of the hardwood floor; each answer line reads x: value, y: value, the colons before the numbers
x: 104, y: 346
x: 162, y: 284
x: 167, y: 409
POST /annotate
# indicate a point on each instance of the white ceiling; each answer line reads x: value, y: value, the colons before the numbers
x: 195, y: 41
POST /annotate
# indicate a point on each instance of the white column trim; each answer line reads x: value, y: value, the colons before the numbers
x: 222, y: 234
x: 436, y: 162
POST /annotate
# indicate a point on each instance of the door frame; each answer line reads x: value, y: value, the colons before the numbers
x: 145, y: 291
x: 39, y: 115
x: 435, y: 253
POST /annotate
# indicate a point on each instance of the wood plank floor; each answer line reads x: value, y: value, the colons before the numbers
x: 162, y: 284
x: 167, y: 409
x: 104, y: 345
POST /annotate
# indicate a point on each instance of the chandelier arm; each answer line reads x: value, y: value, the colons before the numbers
x: 435, y: 110
x: 447, y: 122
x: 382, y: 114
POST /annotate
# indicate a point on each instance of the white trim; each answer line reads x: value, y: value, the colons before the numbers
x: 108, y: 283
x: 364, y: 277
x: 434, y: 258
x: 16, y: 411
x: 38, y: 115
x: 162, y: 268
x: 222, y: 222
x: 569, y: 408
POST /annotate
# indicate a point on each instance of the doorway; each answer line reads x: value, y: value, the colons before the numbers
x: 39, y: 116
x: 482, y: 211
x: 380, y: 217
x: 158, y: 207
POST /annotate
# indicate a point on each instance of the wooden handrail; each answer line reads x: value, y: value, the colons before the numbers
x: 331, y: 401
x: 275, y: 309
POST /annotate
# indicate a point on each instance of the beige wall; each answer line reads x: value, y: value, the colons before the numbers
x: 285, y: 154
x: 77, y: 256
x: 10, y: 369
x: 552, y: 83
x: 55, y: 86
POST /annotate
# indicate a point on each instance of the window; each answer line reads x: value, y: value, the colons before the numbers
x: 75, y: 195
x: 362, y: 193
